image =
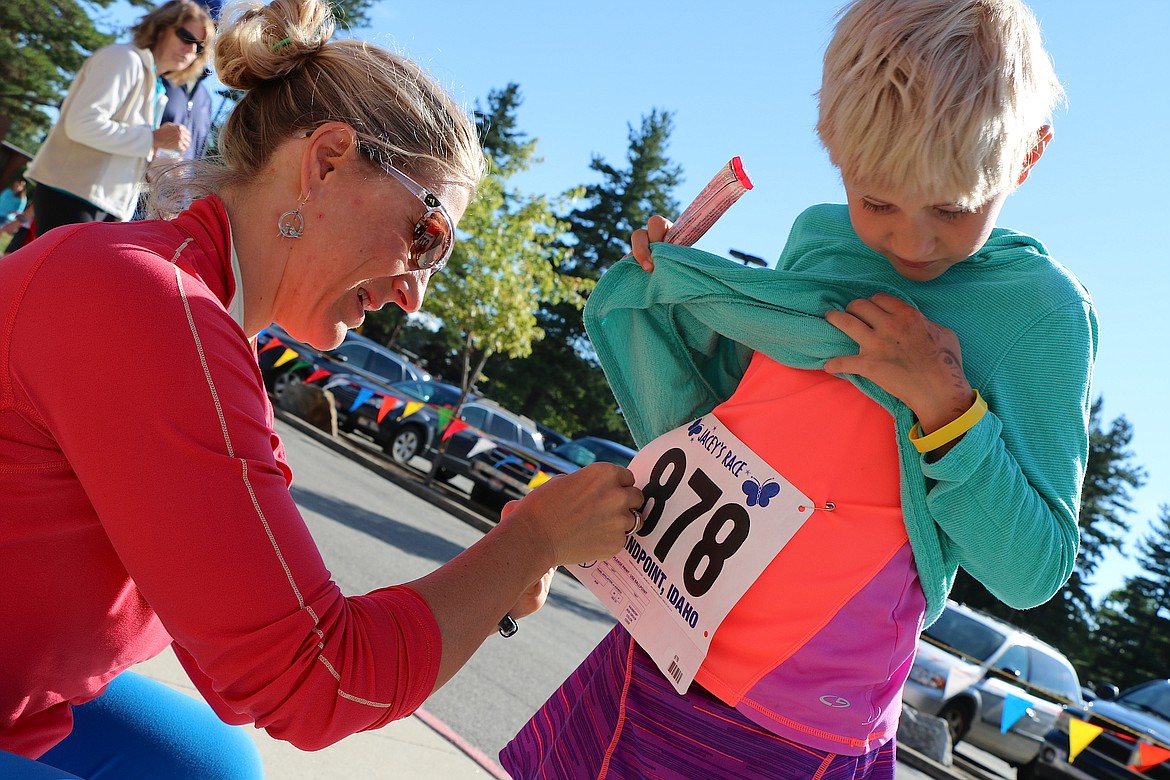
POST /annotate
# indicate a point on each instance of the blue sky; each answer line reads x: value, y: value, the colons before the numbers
x: 739, y: 76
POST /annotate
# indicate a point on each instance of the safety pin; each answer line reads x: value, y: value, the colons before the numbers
x: 828, y: 507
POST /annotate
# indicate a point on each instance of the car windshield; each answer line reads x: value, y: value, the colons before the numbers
x: 956, y: 632
x: 1049, y: 674
x: 1154, y: 699
x: 585, y: 451
x: 429, y: 392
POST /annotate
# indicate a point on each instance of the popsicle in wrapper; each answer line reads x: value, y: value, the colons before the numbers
x: 723, y: 190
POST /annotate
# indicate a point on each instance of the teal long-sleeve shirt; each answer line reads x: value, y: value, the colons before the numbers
x: 1003, y: 502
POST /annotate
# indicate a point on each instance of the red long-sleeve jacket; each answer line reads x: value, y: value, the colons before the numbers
x: 144, y: 499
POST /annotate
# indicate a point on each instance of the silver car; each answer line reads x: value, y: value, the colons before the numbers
x: 970, y: 666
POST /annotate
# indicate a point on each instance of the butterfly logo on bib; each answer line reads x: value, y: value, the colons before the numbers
x: 760, y: 494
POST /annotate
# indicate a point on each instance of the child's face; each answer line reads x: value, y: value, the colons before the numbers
x: 921, y: 239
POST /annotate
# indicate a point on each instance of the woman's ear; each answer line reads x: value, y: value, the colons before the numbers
x: 328, y: 145
x: 1043, y: 137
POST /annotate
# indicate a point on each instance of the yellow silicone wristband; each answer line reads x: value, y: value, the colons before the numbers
x: 952, y: 430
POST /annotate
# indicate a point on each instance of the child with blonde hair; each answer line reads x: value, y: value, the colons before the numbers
x: 919, y: 374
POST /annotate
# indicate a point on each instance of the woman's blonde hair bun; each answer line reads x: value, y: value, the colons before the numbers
x: 261, y: 42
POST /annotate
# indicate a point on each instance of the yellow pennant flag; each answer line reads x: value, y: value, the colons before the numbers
x: 411, y: 408
x: 538, y: 479
x: 285, y: 356
x: 1080, y: 734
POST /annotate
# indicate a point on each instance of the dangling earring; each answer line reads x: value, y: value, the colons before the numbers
x: 291, y: 224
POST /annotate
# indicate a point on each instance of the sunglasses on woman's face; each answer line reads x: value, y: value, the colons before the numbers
x: 434, y: 232
x: 186, y: 37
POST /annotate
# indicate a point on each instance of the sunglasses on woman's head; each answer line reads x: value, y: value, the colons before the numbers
x: 434, y: 232
x: 186, y: 37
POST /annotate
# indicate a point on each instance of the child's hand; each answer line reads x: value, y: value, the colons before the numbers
x: 907, y: 355
x: 655, y: 230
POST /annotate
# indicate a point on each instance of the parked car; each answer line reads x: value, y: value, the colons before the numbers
x: 355, y: 355
x: 1139, y: 715
x: 402, y: 437
x: 967, y: 666
x: 506, y: 472
x: 490, y: 422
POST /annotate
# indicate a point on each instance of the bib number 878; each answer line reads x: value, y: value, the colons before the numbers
x: 665, y: 478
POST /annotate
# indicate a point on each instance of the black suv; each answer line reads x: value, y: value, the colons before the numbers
x: 403, y: 417
x: 510, y: 472
x: 285, y: 361
x: 1128, y: 738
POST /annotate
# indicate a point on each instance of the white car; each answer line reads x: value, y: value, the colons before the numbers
x: 970, y: 666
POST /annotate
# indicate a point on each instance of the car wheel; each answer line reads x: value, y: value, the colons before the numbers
x: 284, y: 381
x: 488, y: 497
x: 405, y: 444
x: 958, y: 719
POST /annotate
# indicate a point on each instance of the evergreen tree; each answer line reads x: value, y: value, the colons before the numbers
x: 1066, y: 620
x: 1132, y: 641
x: 562, y: 383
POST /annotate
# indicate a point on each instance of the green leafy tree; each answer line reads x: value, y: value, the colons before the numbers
x: 508, y: 257
x: 562, y: 383
x: 1066, y: 621
x: 43, y: 43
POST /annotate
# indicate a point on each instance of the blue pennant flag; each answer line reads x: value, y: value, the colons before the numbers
x: 1013, y: 709
x: 362, y: 396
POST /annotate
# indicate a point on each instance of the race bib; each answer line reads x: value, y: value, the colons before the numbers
x: 715, y: 515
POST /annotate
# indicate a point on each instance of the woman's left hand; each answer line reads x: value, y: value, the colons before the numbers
x: 533, y: 598
x: 907, y: 355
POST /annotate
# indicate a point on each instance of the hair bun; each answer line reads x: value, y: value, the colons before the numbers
x: 259, y: 42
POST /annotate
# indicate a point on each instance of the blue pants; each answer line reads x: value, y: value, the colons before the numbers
x: 139, y: 729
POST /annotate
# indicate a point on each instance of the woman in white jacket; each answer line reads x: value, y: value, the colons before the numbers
x: 92, y: 164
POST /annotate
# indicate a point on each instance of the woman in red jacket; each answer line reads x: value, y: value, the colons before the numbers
x: 126, y: 529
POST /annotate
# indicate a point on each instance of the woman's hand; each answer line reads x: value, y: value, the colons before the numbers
x: 582, y: 516
x: 655, y: 230
x: 172, y: 136
x: 533, y: 598
x: 907, y: 355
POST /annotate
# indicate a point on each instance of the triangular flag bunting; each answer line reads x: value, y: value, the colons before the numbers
x: 1080, y: 734
x: 320, y: 373
x: 482, y: 445
x: 1013, y: 709
x: 1149, y: 756
x: 363, y: 395
x: 959, y: 678
x: 285, y: 356
x: 389, y: 402
x: 273, y: 344
x: 445, y: 414
x: 538, y: 479
x: 453, y: 428
x: 411, y: 408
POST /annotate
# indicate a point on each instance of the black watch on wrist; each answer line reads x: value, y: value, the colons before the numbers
x: 508, y: 626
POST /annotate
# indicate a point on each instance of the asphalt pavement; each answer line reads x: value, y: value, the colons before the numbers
x: 422, y: 746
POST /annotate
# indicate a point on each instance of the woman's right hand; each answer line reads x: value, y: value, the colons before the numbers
x: 172, y: 136
x: 582, y: 516
x: 655, y: 230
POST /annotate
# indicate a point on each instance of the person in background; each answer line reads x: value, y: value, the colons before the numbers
x: 93, y: 162
x: 919, y: 375
x: 189, y: 105
x: 12, y: 203
x: 131, y: 525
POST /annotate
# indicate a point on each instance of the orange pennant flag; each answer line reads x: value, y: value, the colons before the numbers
x: 1080, y: 734
x: 285, y: 356
x: 320, y: 373
x: 273, y: 344
x: 411, y: 408
x: 389, y: 402
x: 1149, y: 756
x: 453, y: 428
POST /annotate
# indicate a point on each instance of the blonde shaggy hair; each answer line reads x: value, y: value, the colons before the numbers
x: 170, y: 16
x: 938, y: 98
